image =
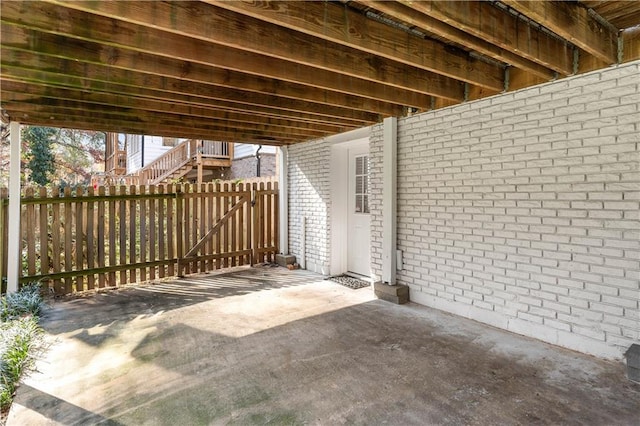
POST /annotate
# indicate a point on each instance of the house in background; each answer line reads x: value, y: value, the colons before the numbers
x: 147, y: 159
x: 253, y: 161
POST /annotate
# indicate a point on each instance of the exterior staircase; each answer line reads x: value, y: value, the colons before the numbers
x: 183, y: 158
x: 188, y: 159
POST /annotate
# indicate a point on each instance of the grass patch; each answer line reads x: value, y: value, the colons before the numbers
x: 20, y: 336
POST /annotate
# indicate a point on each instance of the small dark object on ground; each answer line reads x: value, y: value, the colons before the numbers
x: 633, y: 363
x: 350, y: 282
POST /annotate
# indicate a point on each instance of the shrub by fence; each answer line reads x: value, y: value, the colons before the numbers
x: 93, y: 238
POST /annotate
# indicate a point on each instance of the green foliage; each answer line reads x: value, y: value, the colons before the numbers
x: 20, y: 336
x: 40, y: 159
x: 27, y: 301
x: 76, y: 153
x: 63, y: 157
x: 18, y: 339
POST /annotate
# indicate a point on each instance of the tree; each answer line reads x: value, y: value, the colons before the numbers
x: 55, y: 156
x: 40, y: 159
x: 79, y: 154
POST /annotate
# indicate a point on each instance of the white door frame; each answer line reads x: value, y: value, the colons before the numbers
x: 339, y: 175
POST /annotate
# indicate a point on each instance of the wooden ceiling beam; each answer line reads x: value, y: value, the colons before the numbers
x: 58, y: 107
x: 501, y: 28
x: 21, y: 92
x: 572, y: 21
x: 631, y: 44
x: 87, y: 123
x: 426, y: 23
x: 113, y: 59
x: 26, y: 65
x: 116, y: 120
x: 339, y: 24
x: 204, y: 22
x: 239, y: 45
x: 620, y: 14
x: 36, y: 83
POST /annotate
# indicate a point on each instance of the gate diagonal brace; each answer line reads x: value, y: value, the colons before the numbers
x: 224, y: 219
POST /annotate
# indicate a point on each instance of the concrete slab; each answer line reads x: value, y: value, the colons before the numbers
x: 273, y: 346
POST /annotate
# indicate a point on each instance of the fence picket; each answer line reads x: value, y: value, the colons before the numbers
x: 142, y: 229
x: 186, y: 225
x: 202, y: 205
x: 152, y: 231
x: 217, y: 237
x: 242, y: 226
x: 122, y: 230
x: 44, y: 233
x: 171, y: 237
x: 131, y: 216
x: 68, y: 240
x: 180, y: 227
x: 90, y: 238
x: 79, y: 234
x: 233, y: 261
x: 160, y: 234
x: 261, y: 218
x: 28, y: 234
x: 209, y: 219
x: 56, y: 231
x: 101, y: 236
x: 225, y: 227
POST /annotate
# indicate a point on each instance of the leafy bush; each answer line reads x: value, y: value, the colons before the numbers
x: 20, y: 335
x: 27, y: 301
x: 17, y: 340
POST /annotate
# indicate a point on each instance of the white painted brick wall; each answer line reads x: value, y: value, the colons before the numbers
x: 522, y: 210
x: 309, y: 196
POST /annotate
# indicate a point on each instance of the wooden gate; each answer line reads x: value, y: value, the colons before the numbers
x: 110, y: 236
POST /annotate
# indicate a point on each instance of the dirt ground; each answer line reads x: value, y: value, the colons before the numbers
x: 273, y: 346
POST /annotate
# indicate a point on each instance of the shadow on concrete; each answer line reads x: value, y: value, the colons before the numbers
x: 131, y: 302
x: 68, y: 414
x: 308, y: 353
x: 376, y: 364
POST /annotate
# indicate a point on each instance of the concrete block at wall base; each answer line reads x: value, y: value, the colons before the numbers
x: 285, y: 259
x: 633, y: 374
x: 633, y: 362
x: 398, y: 294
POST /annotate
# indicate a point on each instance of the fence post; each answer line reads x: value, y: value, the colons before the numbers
x: 2, y: 228
x: 180, y: 222
x: 254, y: 222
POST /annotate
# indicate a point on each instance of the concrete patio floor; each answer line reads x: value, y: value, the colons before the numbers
x: 272, y: 346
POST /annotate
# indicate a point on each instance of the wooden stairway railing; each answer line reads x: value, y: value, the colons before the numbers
x: 179, y: 160
x: 166, y: 165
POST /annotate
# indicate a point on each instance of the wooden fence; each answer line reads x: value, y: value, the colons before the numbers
x: 110, y: 236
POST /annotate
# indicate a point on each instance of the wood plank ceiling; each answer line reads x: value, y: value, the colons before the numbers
x: 281, y: 72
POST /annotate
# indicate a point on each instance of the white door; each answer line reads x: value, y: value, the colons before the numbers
x: 359, y: 221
